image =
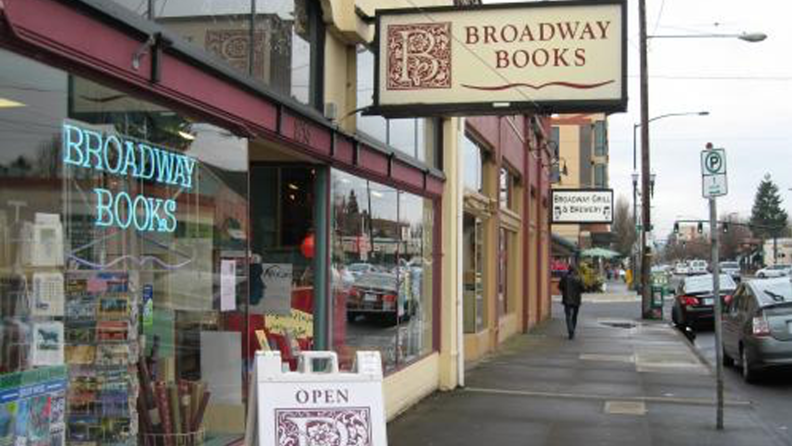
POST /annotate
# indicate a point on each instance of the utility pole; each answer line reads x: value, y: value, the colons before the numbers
x: 646, y: 291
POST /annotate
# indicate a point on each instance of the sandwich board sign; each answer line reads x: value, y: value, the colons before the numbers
x: 713, y: 173
x: 310, y: 407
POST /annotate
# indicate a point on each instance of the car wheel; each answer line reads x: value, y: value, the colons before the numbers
x: 761, y: 275
x: 351, y: 317
x: 748, y: 372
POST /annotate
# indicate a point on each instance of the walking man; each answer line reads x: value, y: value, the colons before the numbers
x: 571, y: 289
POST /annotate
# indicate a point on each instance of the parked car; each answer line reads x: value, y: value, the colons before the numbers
x: 681, y: 269
x: 773, y: 271
x: 697, y: 267
x: 757, y: 326
x: 732, y: 269
x: 358, y: 269
x: 694, y: 301
x: 380, y: 295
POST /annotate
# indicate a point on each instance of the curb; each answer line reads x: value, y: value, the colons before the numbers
x: 692, y: 347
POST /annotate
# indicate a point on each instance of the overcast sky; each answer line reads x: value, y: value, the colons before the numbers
x: 746, y: 87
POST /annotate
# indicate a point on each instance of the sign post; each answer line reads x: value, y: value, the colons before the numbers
x: 714, y: 184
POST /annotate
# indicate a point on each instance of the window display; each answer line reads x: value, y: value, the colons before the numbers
x: 284, y: 36
x: 124, y: 259
x: 382, y: 258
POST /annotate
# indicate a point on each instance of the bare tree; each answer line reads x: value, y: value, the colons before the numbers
x: 735, y: 233
x: 623, y: 227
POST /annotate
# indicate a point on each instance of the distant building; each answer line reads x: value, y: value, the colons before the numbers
x: 782, y: 250
x: 582, y: 144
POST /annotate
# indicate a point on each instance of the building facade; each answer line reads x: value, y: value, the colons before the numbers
x: 185, y: 183
x: 582, y: 145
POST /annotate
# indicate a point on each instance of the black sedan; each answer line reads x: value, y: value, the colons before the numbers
x: 757, y: 326
x: 694, y: 301
x: 380, y: 295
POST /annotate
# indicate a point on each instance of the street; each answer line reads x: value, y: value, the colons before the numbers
x: 770, y: 397
x: 620, y: 381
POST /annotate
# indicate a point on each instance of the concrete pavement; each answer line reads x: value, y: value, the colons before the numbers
x: 618, y: 382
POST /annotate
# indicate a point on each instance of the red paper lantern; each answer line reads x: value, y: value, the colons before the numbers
x: 308, y: 246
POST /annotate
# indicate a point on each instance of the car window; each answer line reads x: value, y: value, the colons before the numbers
x: 772, y: 292
x: 703, y: 284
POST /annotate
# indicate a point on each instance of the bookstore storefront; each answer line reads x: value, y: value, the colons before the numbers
x: 124, y: 265
x: 145, y: 254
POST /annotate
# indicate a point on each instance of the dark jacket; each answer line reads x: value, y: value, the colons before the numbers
x: 571, y: 286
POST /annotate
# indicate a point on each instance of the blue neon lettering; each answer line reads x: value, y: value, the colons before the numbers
x: 189, y: 165
x: 144, y: 150
x: 129, y: 210
x: 170, y: 216
x: 146, y: 213
x: 113, y: 140
x: 165, y: 164
x: 71, y: 146
x: 93, y: 150
x: 129, y: 160
x: 121, y: 156
x: 103, y: 207
x: 178, y: 175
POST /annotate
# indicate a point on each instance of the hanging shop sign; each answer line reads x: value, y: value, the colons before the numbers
x: 553, y: 57
x: 92, y: 148
x: 582, y: 206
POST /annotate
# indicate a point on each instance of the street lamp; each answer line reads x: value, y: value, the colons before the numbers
x: 646, y: 296
x: 747, y: 37
x: 645, y: 163
x: 635, y: 175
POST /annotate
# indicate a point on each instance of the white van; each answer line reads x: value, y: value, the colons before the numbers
x: 697, y: 267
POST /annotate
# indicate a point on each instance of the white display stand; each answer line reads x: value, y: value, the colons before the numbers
x: 311, y: 407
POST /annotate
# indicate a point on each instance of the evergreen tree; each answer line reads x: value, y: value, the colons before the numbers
x: 767, y: 218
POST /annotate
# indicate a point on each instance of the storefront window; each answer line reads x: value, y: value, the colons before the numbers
x: 381, y: 271
x: 472, y: 165
x: 414, y: 137
x: 473, y: 274
x: 123, y: 265
x: 503, y: 272
x: 285, y: 33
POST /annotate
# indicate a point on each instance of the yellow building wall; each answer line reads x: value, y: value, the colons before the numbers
x: 451, y: 264
x: 477, y: 345
x: 408, y: 386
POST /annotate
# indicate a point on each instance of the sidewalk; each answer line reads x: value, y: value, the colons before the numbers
x: 616, y: 291
x: 617, y: 383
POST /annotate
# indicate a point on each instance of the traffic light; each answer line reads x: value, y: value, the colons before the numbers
x: 700, y: 228
x: 725, y: 227
x: 676, y: 228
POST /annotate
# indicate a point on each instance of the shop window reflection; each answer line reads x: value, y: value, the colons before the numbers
x: 284, y: 33
x: 119, y: 297
x: 378, y: 263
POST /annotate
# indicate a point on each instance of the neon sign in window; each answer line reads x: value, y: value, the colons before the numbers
x: 126, y: 157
